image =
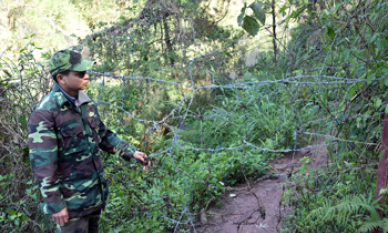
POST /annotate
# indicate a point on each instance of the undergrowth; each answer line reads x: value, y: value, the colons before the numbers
x: 210, y: 120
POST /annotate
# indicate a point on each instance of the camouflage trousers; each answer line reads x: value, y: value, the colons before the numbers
x: 84, y: 224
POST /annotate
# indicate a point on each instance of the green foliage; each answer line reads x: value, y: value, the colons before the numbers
x: 206, y: 139
x: 328, y: 201
x: 153, y: 199
x: 249, y: 23
x: 350, y: 206
x: 257, y: 7
x: 182, y: 180
x: 330, y: 32
x: 339, y: 198
x: 19, y: 195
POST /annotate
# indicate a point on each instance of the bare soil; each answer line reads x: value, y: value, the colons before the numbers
x: 243, y: 213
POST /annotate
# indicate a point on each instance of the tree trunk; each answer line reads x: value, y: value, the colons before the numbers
x: 167, y: 38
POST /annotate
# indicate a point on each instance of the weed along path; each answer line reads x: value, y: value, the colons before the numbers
x: 256, y: 207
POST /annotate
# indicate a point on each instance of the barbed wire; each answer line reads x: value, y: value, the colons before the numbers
x: 243, y: 84
x: 190, y: 90
x: 155, y: 124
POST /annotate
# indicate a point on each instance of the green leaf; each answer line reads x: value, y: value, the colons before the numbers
x: 12, y: 212
x: 241, y: 16
x: 288, y: 19
x: 240, y: 19
x: 303, y: 168
x: 378, y: 103
x: 330, y: 32
x: 383, y: 191
x: 257, y: 7
x: 283, y: 8
x: 34, y: 196
x: 251, y: 25
x: 310, y: 18
x: 245, y: 7
x: 373, y: 38
x: 25, y: 218
x: 295, y: 14
x: 382, y: 44
x: 371, y: 77
x: 23, y: 121
x: 355, y: 88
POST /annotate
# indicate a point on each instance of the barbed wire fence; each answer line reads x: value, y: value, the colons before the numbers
x: 315, y: 79
x: 323, y: 121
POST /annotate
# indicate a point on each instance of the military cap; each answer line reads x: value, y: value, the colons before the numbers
x: 68, y: 59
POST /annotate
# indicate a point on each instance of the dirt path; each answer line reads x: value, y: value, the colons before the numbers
x: 242, y: 213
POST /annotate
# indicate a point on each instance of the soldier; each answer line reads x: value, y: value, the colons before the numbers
x: 65, y: 137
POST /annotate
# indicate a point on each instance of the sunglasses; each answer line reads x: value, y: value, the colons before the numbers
x: 79, y: 74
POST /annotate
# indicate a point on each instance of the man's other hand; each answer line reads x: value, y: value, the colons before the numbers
x: 143, y: 158
x: 61, y: 217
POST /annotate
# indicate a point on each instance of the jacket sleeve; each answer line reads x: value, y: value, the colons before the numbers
x: 43, y: 146
x: 112, y: 144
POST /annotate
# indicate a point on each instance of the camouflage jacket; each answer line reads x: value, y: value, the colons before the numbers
x: 64, y: 143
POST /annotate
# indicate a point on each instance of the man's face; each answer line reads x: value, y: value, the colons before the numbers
x: 75, y: 81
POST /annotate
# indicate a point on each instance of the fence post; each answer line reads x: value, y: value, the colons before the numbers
x: 382, y: 171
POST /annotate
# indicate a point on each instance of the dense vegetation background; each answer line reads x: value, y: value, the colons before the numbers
x: 211, y: 90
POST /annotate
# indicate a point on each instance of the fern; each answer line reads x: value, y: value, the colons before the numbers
x: 371, y: 224
x: 357, y: 207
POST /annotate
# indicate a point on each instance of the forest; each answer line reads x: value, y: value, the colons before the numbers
x: 229, y: 99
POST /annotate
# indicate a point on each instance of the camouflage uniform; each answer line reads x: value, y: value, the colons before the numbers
x: 65, y: 141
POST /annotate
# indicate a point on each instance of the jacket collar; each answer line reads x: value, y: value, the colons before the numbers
x: 61, y: 99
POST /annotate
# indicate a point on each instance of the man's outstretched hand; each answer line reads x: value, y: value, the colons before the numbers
x: 61, y: 217
x: 143, y: 158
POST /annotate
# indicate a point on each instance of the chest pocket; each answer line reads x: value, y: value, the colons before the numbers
x: 72, y: 137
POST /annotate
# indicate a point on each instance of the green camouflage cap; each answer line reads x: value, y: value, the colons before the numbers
x: 68, y: 59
